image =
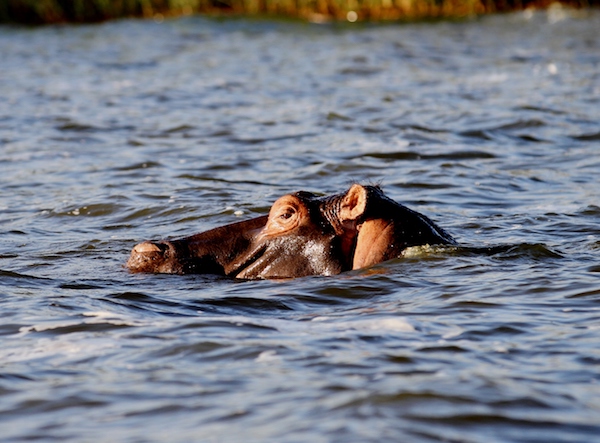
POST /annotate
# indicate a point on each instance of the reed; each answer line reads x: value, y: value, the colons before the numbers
x: 58, y: 11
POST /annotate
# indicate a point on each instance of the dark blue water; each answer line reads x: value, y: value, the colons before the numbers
x: 115, y: 133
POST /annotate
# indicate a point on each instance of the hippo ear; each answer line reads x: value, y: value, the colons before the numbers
x: 354, y: 203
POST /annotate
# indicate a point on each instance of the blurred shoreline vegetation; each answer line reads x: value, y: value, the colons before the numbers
x: 85, y: 11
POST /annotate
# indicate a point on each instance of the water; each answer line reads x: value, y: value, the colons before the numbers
x: 132, y: 130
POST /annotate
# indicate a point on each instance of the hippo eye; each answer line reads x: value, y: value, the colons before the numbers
x: 287, y: 213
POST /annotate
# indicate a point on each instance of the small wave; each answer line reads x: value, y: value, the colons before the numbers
x: 361, y: 71
x: 417, y: 127
x: 332, y: 116
x: 476, y: 133
x: 593, y: 294
x: 56, y: 338
x: 512, y: 129
x: 511, y: 251
x: 152, y: 304
x: 71, y: 126
x: 369, y: 325
x: 411, y: 155
x: 79, y: 286
x: 590, y: 210
x: 91, y: 322
x: 143, y: 165
x: 375, y: 325
x: 179, y: 129
x: 20, y: 279
x: 258, y: 140
x: 594, y: 136
x: 91, y: 210
x: 127, y: 66
x: 540, y: 109
x: 520, y: 124
x: 77, y: 127
x: 523, y: 250
x: 17, y: 275
x: 248, y: 305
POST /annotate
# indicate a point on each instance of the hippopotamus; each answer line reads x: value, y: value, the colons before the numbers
x: 303, y: 234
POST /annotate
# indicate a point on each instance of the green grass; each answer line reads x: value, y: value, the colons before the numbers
x: 59, y: 11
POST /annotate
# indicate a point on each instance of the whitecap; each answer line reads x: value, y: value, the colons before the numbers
x: 324, y: 324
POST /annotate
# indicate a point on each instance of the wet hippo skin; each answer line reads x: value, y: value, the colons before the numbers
x: 303, y: 235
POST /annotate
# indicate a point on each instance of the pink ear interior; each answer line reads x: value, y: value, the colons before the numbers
x: 354, y: 203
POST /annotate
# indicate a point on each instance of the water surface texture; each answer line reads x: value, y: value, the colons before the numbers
x: 131, y: 130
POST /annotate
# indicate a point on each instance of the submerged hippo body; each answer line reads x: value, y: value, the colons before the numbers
x: 302, y: 235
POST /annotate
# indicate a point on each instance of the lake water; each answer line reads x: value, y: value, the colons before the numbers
x: 131, y: 130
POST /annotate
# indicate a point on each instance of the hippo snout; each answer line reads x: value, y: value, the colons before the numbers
x: 152, y: 257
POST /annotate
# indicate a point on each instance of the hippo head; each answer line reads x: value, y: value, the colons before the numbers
x: 300, y: 236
